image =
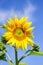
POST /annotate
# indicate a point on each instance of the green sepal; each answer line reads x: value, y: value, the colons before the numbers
x: 35, y: 48
x: 3, y: 40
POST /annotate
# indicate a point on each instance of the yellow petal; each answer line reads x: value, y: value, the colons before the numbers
x: 10, y: 20
x: 11, y: 24
x: 15, y: 19
x: 7, y: 27
x: 30, y: 42
x: 25, y: 44
x: 30, y: 29
x: 8, y: 35
x: 22, y: 46
x: 27, y: 25
x: 11, y: 41
x: 30, y: 34
x: 17, y: 45
x: 23, y: 20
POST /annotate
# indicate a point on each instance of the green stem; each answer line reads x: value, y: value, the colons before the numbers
x: 11, y: 63
x: 25, y: 55
x: 16, y: 57
x: 9, y: 59
x: 7, y: 55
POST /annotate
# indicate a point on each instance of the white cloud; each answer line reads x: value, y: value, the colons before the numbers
x: 27, y: 11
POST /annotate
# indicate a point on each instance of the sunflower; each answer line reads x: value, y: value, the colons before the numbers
x: 19, y: 32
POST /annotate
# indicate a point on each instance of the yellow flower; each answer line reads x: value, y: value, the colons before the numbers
x: 19, y: 33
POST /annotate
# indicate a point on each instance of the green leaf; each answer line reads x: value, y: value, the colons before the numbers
x: 2, y: 46
x: 2, y: 56
x: 22, y: 64
x: 37, y: 53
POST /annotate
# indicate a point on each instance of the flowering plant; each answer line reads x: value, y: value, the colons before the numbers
x: 18, y: 35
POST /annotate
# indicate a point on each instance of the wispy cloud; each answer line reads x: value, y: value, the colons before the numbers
x: 27, y: 11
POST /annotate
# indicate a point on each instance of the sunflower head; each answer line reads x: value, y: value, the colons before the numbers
x: 19, y: 32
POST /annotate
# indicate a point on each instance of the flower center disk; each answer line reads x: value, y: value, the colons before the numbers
x: 18, y: 32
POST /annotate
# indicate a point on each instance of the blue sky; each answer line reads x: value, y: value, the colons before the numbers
x: 34, y: 10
